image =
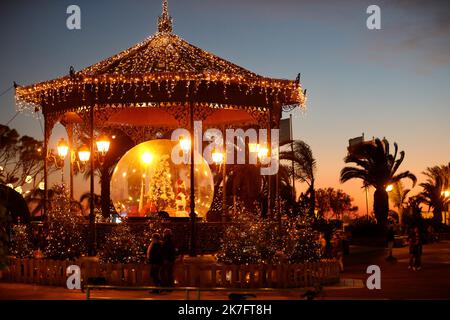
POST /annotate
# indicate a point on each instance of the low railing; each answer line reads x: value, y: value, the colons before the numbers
x: 443, y: 236
x: 50, y: 272
x: 188, y: 290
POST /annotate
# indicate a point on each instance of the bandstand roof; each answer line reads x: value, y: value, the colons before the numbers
x: 154, y: 81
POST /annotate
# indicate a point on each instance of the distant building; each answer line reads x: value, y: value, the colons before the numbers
x: 355, y: 142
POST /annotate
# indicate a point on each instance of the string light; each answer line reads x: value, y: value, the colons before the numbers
x: 251, y: 239
x: 65, y: 237
x: 162, y: 65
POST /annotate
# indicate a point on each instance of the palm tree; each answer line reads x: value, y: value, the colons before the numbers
x: 244, y: 181
x: 433, y: 187
x: 85, y: 200
x: 399, y: 196
x: 376, y: 167
x: 35, y: 201
x: 286, y: 192
x: 304, y: 167
x: 14, y: 204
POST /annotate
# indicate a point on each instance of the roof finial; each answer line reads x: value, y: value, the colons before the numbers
x: 165, y: 20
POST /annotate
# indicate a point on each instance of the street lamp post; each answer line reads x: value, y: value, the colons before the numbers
x: 219, y: 159
x: 85, y: 154
x: 366, y: 189
x: 92, y: 235
x: 390, y: 188
x: 262, y: 153
x: 63, y: 149
x: 102, y: 144
x: 448, y: 193
x: 146, y: 158
x: 187, y: 146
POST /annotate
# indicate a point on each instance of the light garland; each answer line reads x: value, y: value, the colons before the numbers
x: 65, y: 238
x: 21, y: 245
x: 121, y: 246
x: 163, y: 64
x: 251, y: 239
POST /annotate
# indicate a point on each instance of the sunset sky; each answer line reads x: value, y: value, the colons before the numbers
x: 393, y: 82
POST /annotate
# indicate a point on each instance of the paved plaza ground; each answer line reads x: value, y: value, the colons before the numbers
x: 397, y: 282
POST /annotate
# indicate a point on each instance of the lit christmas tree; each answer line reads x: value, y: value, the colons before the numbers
x: 216, y: 210
x: 65, y: 238
x: 21, y: 246
x: 161, y: 192
x: 121, y: 246
x: 239, y: 244
x: 305, y: 248
x: 251, y: 239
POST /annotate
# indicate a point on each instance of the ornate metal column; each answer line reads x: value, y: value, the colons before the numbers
x: 69, y: 131
x: 49, y: 122
x: 92, y: 235
x: 45, y: 152
x: 192, y: 215
x: 224, y: 178
x: 269, y: 154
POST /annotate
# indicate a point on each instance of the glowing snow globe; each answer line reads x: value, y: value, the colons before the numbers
x: 154, y: 177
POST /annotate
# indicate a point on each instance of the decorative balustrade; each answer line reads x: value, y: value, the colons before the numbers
x: 50, y: 272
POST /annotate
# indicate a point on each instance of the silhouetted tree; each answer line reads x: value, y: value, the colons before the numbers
x: 335, y: 201
x: 304, y: 167
x: 399, y: 197
x: 376, y: 167
x: 433, y: 190
x: 21, y: 158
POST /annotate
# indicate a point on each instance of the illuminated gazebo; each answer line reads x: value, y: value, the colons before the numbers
x: 156, y: 86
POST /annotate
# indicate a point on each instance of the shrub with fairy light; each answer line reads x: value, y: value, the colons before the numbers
x: 250, y: 239
x: 121, y: 246
x: 143, y: 239
x: 21, y: 245
x: 305, y: 248
x: 65, y: 239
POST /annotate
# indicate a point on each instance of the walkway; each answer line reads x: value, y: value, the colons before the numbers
x: 397, y: 282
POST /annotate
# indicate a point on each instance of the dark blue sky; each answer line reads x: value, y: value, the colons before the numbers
x: 392, y: 82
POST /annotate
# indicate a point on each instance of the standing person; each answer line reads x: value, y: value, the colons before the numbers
x: 390, y: 239
x: 412, y: 246
x: 418, y: 250
x: 155, y: 258
x: 169, y: 256
x: 323, y: 244
x: 337, y: 250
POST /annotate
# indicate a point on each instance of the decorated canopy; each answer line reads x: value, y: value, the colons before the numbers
x: 156, y: 81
